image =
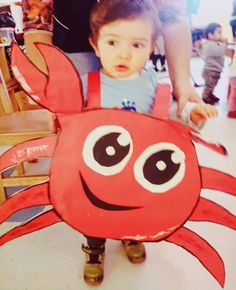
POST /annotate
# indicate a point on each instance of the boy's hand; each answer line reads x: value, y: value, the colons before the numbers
x: 202, y: 112
x: 224, y: 40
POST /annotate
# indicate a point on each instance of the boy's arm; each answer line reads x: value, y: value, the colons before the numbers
x: 229, y: 52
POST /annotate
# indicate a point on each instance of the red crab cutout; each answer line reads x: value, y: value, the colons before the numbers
x: 114, y: 173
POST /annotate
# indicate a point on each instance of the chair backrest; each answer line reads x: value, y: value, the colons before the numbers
x: 5, y: 99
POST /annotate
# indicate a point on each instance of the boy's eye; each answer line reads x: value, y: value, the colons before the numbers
x: 138, y: 45
x: 111, y: 42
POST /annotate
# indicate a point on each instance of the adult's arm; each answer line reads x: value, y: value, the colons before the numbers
x: 178, y: 44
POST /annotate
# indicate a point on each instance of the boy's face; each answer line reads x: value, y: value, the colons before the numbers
x: 217, y: 35
x: 124, y: 46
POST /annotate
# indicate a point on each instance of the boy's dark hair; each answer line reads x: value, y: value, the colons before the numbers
x: 107, y: 11
x: 211, y: 28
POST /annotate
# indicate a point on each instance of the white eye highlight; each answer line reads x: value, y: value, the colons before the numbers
x: 107, y: 149
x: 123, y: 139
x: 110, y: 151
x: 160, y: 167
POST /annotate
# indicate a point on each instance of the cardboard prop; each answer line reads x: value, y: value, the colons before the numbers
x: 115, y: 173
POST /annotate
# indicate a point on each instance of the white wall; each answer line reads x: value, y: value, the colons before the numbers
x: 214, y: 11
x: 7, y: 2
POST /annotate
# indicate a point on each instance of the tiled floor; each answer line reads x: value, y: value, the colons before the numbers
x: 51, y: 259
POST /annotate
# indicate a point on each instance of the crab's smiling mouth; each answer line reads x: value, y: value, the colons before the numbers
x: 102, y: 204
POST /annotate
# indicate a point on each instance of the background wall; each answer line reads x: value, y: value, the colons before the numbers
x: 214, y: 11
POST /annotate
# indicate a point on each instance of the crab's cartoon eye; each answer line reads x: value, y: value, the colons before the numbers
x: 160, y: 167
x: 107, y: 149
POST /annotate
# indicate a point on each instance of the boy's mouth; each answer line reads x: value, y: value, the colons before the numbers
x: 121, y: 68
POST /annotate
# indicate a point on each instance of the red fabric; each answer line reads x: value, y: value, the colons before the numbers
x: 93, y: 96
x: 162, y: 101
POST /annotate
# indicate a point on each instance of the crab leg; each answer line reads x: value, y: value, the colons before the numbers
x: 42, y: 147
x: 207, y: 210
x: 32, y: 196
x: 214, y: 179
x: 218, y: 148
x: 198, y: 247
x: 39, y: 222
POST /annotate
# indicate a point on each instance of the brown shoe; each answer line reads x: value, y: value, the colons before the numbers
x: 94, y: 265
x: 209, y: 100
x: 135, y: 251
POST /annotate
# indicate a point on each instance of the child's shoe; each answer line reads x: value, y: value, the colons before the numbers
x: 216, y: 99
x: 209, y: 100
x: 94, y: 265
x: 135, y: 251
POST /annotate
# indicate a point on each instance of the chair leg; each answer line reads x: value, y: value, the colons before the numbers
x: 20, y: 169
x: 2, y: 191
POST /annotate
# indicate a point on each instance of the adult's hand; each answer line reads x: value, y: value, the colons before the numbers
x: 183, y: 93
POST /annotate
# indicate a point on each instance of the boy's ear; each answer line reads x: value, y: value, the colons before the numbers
x: 94, y: 46
x: 210, y: 35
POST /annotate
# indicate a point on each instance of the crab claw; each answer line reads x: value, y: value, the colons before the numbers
x: 60, y: 91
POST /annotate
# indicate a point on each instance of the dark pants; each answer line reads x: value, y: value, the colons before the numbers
x: 95, y: 242
x: 211, y: 79
x: 155, y: 57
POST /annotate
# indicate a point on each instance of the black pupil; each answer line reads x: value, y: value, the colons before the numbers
x: 100, y: 150
x: 155, y: 175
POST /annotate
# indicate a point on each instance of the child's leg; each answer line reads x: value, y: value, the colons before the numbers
x: 94, y: 263
x: 154, y: 58
x: 232, y: 98
x: 211, y: 79
x: 163, y: 62
x: 95, y: 242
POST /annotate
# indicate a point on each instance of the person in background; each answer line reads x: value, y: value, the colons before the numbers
x: 71, y: 32
x: 233, y: 20
x: 159, y: 54
x: 214, y: 51
x: 38, y: 27
x: 232, y: 88
x: 123, y: 34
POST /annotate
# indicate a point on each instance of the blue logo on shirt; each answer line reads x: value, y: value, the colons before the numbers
x: 128, y: 105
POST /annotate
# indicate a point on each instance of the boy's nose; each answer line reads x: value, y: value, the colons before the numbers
x: 124, y: 52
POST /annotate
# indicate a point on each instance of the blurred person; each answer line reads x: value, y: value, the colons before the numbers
x: 214, y: 51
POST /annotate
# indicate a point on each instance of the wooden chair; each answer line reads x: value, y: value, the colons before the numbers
x: 19, y: 121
